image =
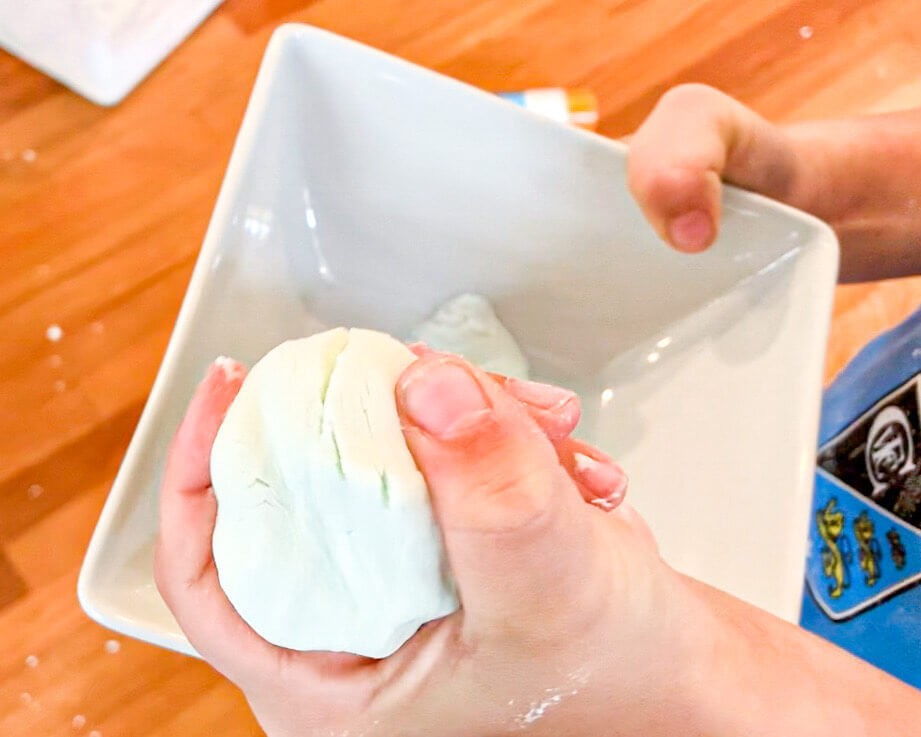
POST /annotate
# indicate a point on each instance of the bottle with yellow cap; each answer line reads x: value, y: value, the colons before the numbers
x: 572, y: 107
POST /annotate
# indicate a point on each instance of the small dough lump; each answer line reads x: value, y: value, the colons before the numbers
x: 468, y: 326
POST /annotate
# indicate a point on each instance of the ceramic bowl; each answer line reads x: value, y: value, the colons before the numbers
x: 366, y: 191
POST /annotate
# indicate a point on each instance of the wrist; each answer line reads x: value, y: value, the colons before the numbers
x: 816, y: 186
x: 668, y: 690
x: 747, y: 674
x: 860, y: 176
x: 640, y: 668
x: 756, y: 674
x: 710, y: 661
x: 791, y: 163
x: 721, y: 678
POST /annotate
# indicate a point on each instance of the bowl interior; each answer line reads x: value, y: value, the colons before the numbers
x: 366, y: 191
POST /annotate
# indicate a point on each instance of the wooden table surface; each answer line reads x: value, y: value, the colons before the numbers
x: 102, y: 212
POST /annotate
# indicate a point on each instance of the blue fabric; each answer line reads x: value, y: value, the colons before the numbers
x: 863, y: 570
x: 885, y: 361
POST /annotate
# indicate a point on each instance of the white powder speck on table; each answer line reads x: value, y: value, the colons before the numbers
x: 78, y: 722
x: 31, y: 661
x: 35, y: 491
x: 54, y: 333
x: 112, y: 646
x: 805, y: 32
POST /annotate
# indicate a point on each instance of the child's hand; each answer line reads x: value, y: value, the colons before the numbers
x: 694, y: 138
x: 570, y: 626
x: 570, y: 622
x: 859, y: 175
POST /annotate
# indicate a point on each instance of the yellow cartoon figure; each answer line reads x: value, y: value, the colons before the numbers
x: 830, y: 522
x: 870, y: 552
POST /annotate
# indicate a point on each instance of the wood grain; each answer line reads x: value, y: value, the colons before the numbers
x: 102, y: 213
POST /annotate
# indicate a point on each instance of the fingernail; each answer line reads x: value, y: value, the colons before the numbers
x: 442, y: 398
x: 691, y: 231
x: 544, y: 396
x: 607, y: 480
x: 419, y: 348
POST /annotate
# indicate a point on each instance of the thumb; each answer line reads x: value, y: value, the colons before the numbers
x: 514, y: 524
x: 695, y: 136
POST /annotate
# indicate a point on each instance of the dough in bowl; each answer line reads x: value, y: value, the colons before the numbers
x: 468, y: 326
x: 325, y: 538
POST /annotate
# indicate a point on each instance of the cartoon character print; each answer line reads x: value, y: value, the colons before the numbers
x: 896, y: 548
x: 877, y: 454
x: 889, y: 451
x: 868, y: 502
x: 869, y: 552
x: 835, y: 556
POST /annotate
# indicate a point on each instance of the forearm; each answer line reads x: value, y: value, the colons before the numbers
x: 762, y: 676
x: 863, y: 177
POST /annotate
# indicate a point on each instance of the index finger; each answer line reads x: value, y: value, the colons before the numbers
x: 183, y: 564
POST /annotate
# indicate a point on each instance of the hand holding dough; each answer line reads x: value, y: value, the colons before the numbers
x: 529, y: 591
x: 324, y: 537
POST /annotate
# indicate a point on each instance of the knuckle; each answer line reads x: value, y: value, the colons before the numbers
x: 643, y: 181
x: 690, y: 94
x: 669, y: 189
x: 516, y: 498
x: 651, y: 183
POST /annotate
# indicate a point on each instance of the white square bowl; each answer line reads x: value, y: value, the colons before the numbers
x: 364, y: 190
x: 100, y: 49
